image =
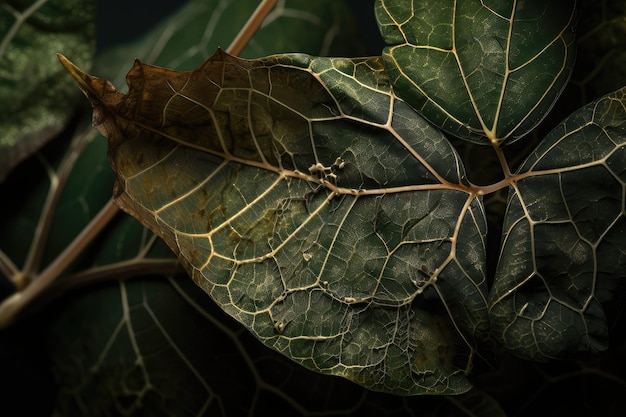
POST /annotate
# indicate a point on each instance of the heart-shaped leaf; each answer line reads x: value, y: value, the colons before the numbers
x: 313, y: 205
x: 564, y: 252
x: 482, y: 71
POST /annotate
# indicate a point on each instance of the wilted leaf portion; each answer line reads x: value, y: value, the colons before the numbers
x: 564, y: 252
x: 481, y: 70
x: 313, y: 206
x: 36, y: 98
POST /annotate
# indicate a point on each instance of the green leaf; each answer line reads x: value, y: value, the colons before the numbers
x: 563, y: 253
x: 301, y: 194
x: 190, y: 358
x: 150, y: 347
x: 36, y: 98
x: 482, y: 71
x: 78, y: 177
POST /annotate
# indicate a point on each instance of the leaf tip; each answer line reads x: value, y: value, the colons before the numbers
x: 83, y: 79
x: 104, y: 98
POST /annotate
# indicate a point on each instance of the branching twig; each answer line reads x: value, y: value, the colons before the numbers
x: 119, y: 271
x: 11, y: 271
x: 13, y: 305
x: 58, y: 180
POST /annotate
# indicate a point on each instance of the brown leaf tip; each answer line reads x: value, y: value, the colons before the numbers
x: 83, y: 79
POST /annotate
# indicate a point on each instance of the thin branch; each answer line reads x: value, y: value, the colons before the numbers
x: 123, y: 270
x: 20, y: 18
x: 251, y: 26
x: 11, y: 271
x: 506, y: 170
x: 13, y: 305
x: 57, y: 183
x: 31, y: 265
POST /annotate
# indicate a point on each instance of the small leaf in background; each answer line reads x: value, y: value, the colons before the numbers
x: 36, y: 97
x: 188, y: 37
x: 480, y: 71
x: 302, y: 211
x: 563, y: 245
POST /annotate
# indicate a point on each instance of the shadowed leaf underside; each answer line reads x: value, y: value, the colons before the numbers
x: 563, y: 254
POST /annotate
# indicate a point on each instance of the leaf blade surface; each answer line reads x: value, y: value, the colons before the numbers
x: 341, y: 233
x: 482, y: 71
x: 562, y: 256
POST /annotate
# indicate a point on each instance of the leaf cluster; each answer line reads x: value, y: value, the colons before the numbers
x: 421, y: 222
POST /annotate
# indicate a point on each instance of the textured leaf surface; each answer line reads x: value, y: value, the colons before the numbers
x: 73, y: 174
x: 483, y: 71
x: 134, y: 348
x: 563, y: 253
x: 191, y: 359
x: 338, y: 231
x: 104, y: 384
x: 35, y: 94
